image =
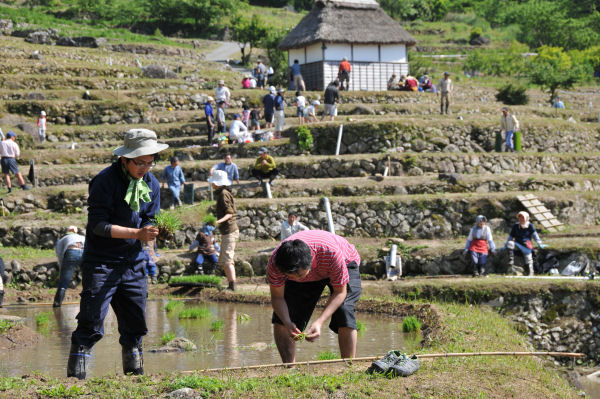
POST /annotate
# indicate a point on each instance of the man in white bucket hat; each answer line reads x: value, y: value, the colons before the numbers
x: 123, y: 200
x: 226, y: 222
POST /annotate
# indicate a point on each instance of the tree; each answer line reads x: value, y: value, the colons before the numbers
x: 277, y: 57
x: 205, y: 12
x: 248, y: 33
x: 552, y: 69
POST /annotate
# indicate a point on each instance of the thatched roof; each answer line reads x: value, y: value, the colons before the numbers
x: 347, y: 21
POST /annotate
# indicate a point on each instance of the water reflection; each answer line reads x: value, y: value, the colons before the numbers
x: 240, y: 343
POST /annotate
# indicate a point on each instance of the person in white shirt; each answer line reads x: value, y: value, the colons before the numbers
x: 69, y: 251
x: 445, y: 89
x: 509, y: 125
x: 222, y: 93
x: 310, y: 112
x: 41, y: 124
x: 300, y: 104
x: 291, y: 226
x: 238, y: 131
x: 9, y: 151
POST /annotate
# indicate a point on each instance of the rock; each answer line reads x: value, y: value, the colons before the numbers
x: 81, y: 41
x: 15, y: 267
x: 34, y: 96
x: 185, y: 393
x: 479, y: 41
x: 178, y: 344
x: 14, y: 319
x: 39, y: 37
x: 415, y: 171
x: 452, y: 178
x: 6, y: 26
x: 156, y: 71
x: 362, y: 110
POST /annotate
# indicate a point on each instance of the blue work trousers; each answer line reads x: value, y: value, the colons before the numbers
x: 71, y: 261
x: 125, y: 288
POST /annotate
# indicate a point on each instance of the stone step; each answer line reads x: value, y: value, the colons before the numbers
x: 72, y: 199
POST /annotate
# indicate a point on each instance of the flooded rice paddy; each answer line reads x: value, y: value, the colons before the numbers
x: 242, y: 341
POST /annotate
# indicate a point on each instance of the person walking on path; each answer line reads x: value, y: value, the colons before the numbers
x: 297, y: 77
x: 229, y: 167
x: 69, y: 251
x: 9, y: 151
x: 124, y: 198
x: 332, y: 95
x: 509, y: 125
x: 222, y: 93
x: 344, y: 73
x: 297, y: 272
x: 269, y: 105
x: 279, y: 113
x: 210, y: 121
x: 478, y: 240
x: 520, y: 237
x: 42, y: 125
x: 228, y: 227
x: 291, y: 226
x: 445, y: 90
x: 264, y: 167
x: 173, y: 176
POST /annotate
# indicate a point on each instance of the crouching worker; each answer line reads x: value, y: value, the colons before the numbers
x: 297, y: 272
x: 69, y: 251
x: 520, y: 238
x: 477, y: 245
x: 123, y: 200
x: 205, y: 242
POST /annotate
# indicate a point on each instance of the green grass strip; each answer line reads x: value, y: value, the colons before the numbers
x: 197, y: 278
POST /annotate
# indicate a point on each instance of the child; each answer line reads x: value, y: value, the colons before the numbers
x: 255, y: 118
x: 246, y: 115
x: 41, y: 124
x: 151, y: 269
x: 221, y: 128
x: 477, y: 245
x: 300, y: 103
x: 310, y: 112
x: 205, y: 242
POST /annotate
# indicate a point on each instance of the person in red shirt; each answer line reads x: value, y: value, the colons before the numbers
x: 298, y: 271
x: 344, y: 73
x: 479, y: 238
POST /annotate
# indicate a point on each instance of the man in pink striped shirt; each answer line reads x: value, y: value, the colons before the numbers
x: 297, y: 272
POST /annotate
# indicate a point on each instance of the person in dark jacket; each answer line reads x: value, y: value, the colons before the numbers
x: 520, y: 238
x: 228, y: 228
x: 123, y: 201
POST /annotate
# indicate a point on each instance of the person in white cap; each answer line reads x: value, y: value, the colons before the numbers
x: 123, y: 201
x: 69, y: 251
x: 228, y: 227
x: 42, y: 124
x: 222, y: 93
x: 310, y: 112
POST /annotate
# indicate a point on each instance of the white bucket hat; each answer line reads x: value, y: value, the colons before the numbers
x: 139, y: 142
x: 220, y: 178
x: 43, y: 113
x: 272, y: 89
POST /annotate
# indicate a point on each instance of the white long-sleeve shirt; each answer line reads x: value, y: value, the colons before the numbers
x: 508, y: 123
x: 238, y: 131
x: 287, y: 230
x: 64, y: 243
x: 222, y: 94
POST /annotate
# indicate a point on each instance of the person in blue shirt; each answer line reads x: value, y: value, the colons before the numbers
x: 558, y: 103
x: 173, y: 176
x: 520, y: 238
x: 122, y: 203
x: 229, y: 167
x: 297, y: 76
x: 279, y: 113
x: 269, y: 106
x: 210, y: 121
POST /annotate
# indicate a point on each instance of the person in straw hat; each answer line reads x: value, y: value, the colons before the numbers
x: 123, y: 200
x: 227, y: 225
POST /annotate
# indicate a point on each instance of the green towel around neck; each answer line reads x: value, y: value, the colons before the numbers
x: 137, y: 190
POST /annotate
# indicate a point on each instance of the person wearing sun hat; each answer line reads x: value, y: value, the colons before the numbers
x: 228, y: 227
x: 123, y: 199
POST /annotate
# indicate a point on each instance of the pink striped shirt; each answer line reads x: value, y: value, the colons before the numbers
x: 330, y: 257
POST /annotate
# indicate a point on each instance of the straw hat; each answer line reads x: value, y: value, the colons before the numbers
x: 220, y: 178
x: 139, y: 142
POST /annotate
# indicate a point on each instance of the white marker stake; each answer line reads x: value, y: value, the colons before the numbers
x: 339, y: 140
x: 329, y: 217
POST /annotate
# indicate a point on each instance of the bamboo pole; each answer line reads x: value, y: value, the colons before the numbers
x: 371, y: 358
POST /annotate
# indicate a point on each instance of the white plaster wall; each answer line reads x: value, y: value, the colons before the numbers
x: 366, y: 53
x: 393, y: 53
x: 337, y: 51
x: 314, y: 53
x: 296, y: 54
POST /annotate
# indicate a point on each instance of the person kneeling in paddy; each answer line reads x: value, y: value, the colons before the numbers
x: 297, y: 272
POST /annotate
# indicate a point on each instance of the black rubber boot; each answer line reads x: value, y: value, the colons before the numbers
x: 59, y: 297
x: 231, y: 286
x: 210, y: 268
x: 133, y: 360
x: 1, y: 297
x: 79, y: 358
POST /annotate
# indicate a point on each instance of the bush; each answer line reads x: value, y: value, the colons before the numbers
x: 475, y: 33
x: 512, y: 95
x: 305, y: 138
x: 410, y: 324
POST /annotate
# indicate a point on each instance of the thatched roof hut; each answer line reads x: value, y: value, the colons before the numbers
x: 347, y: 21
x: 358, y: 30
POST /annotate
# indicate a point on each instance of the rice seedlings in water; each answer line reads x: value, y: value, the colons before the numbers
x: 216, y: 325
x: 360, y: 326
x: 195, y: 313
x: 327, y: 355
x: 243, y: 317
x: 197, y: 278
x: 171, y: 305
x: 167, y: 337
x: 5, y: 325
x: 42, y: 319
x: 410, y: 324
